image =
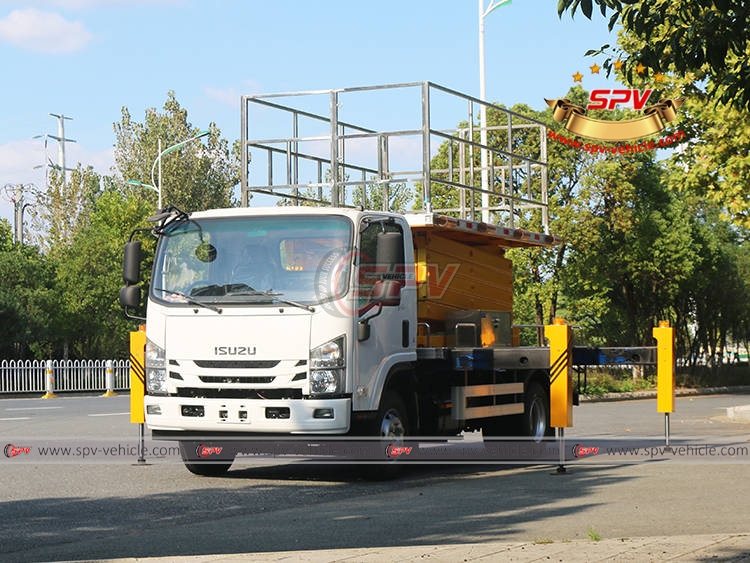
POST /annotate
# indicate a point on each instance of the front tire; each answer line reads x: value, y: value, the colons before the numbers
x: 392, y: 420
x: 392, y: 425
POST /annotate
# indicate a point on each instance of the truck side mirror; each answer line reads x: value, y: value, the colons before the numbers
x: 390, y: 249
x: 131, y: 262
x: 130, y: 294
x: 389, y: 255
x: 130, y: 297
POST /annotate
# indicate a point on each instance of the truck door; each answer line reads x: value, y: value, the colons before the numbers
x: 386, y: 315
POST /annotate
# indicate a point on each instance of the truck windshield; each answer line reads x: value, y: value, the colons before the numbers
x: 253, y: 260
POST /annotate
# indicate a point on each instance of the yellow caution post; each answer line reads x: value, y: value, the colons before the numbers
x: 665, y: 371
x: 138, y: 387
x: 137, y: 376
x: 560, y: 339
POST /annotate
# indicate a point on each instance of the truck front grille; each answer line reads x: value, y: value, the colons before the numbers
x: 262, y: 394
x: 237, y: 379
x: 236, y: 364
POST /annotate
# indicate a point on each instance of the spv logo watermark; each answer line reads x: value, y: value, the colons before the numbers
x: 205, y: 451
x: 655, y: 117
x: 610, y: 99
x: 393, y: 451
x: 583, y: 451
x: 348, y: 283
x: 13, y: 451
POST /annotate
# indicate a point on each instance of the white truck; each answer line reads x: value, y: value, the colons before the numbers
x: 324, y: 316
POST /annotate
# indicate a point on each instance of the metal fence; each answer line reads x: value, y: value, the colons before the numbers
x: 63, y: 375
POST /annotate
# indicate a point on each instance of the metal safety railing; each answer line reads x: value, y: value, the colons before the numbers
x: 31, y: 376
x: 362, y: 146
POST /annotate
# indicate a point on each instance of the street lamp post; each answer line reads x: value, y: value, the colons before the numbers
x: 483, y: 13
x: 156, y: 185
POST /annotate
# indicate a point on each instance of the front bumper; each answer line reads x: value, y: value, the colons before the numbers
x: 294, y: 416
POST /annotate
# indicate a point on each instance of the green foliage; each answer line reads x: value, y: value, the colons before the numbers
x: 89, y: 276
x: 641, y: 243
x: 603, y: 381
x: 59, y: 298
x: 631, y: 261
x: 371, y: 196
x: 200, y: 175
x: 712, y: 163
x: 709, y: 38
x: 27, y: 300
x: 63, y: 206
x: 713, y: 305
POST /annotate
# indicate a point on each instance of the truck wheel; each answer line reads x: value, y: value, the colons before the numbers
x: 392, y: 421
x: 205, y: 468
x: 391, y: 424
x: 536, y: 416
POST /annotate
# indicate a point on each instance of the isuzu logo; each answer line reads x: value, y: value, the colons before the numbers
x: 234, y: 350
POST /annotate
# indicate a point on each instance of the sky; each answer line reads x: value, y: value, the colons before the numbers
x: 88, y: 59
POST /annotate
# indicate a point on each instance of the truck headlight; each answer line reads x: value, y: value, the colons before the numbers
x: 156, y: 369
x: 327, y: 363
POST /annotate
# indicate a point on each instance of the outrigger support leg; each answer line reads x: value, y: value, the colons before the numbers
x: 561, y: 443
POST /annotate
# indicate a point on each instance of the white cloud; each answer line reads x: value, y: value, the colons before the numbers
x: 18, y: 158
x: 94, y: 4
x: 43, y: 32
x: 227, y: 96
x: 231, y: 96
x: 17, y: 161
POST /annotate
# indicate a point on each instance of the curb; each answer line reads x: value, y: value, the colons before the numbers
x: 717, y: 547
x: 651, y: 394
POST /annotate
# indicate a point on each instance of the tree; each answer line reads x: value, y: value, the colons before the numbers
x: 713, y: 305
x: 639, y: 245
x: 711, y: 160
x: 27, y: 300
x: 202, y: 175
x: 536, y: 270
x: 371, y: 195
x: 89, y: 276
x: 59, y: 210
x: 710, y: 39
x: 628, y: 267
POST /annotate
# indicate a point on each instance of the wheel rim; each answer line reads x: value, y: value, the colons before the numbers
x: 392, y: 425
x: 537, y: 419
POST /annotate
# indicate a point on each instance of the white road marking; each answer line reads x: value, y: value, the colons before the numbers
x: 31, y: 408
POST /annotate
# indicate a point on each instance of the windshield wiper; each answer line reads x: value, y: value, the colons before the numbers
x: 189, y: 299
x: 275, y: 296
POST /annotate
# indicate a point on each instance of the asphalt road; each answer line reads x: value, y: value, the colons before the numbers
x: 81, y: 509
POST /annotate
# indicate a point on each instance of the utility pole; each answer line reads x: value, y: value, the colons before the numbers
x: 485, y: 173
x: 61, y: 140
x: 18, y: 215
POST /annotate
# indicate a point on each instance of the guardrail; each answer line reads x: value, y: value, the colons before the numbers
x: 31, y: 376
